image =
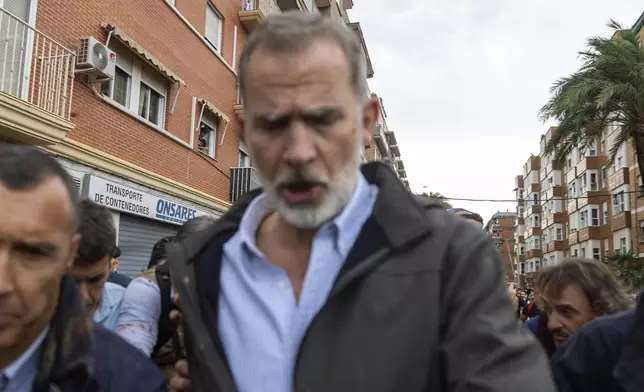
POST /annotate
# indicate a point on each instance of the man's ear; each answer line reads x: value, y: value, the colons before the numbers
x: 73, y: 250
x: 370, y: 116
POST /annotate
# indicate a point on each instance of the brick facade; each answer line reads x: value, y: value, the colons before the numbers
x: 157, y: 28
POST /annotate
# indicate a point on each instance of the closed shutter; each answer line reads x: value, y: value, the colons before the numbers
x: 78, y: 181
x: 137, y: 236
x: 18, y: 8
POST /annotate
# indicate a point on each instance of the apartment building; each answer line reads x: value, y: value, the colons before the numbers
x: 383, y: 146
x: 501, y: 227
x: 554, y: 214
x: 532, y: 216
x: 519, y: 228
x: 139, y: 101
x: 589, y: 207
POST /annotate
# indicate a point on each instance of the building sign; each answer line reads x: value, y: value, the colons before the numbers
x: 122, y: 198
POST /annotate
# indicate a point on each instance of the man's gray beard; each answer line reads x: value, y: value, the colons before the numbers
x: 336, y: 198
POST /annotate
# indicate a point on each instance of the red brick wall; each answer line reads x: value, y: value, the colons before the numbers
x: 160, y: 31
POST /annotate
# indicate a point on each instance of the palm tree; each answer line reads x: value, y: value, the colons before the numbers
x: 608, y: 89
x: 628, y: 268
x: 438, y: 198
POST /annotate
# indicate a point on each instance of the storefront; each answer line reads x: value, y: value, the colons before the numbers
x: 142, y: 218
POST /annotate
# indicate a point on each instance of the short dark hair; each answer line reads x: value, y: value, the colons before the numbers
x: 159, y: 251
x: 116, y: 253
x: 97, y: 231
x: 24, y: 168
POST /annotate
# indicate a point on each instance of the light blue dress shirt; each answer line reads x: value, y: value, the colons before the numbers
x: 139, y: 314
x: 19, y: 375
x: 108, y: 310
x: 261, y: 324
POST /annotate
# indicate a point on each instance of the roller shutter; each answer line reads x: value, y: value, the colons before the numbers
x: 137, y: 236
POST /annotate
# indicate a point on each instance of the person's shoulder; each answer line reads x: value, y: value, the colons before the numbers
x: 597, y: 341
x: 121, y: 366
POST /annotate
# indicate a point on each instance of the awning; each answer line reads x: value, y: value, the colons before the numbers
x: 141, y: 52
x: 215, y: 110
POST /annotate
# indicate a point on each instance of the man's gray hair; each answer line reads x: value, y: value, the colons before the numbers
x: 294, y: 32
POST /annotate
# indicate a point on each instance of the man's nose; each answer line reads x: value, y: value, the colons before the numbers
x: 554, y: 321
x: 300, y: 148
x: 6, y: 275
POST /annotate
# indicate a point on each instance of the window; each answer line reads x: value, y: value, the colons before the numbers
x: 559, y: 234
x: 604, y: 177
x: 583, y: 184
x: 605, y: 208
x: 618, y: 203
x: 642, y: 231
x: 244, y: 159
x: 640, y: 186
x: 137, y: 88
x: 213, y: 27
x: 583, y: 219
x: 593, y: 181
x: 574, y: 253
x: 573, y: 188
x: 583, y: 252
x: 594, y: 216
x: 208, y: 135
x: 596, y: 253
x: 569, y: 163
x: 622, y: 245
x: 496, y: 221
x: 119, y: 88
x: 151, y: 104
x: 592, y: 152
x: 535, y: 222
x: 535, y: 198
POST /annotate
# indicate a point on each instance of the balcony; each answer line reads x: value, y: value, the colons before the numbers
x: 36, y: 84
x: 557, y: 246
x: 534, y: 253
x: 534, y: 232
x: 621, y: 221
x: 535, y: 188
x: 591, y: 163
x: 591, y: 233
x: 558, y: 192
x: 242, y: 180
x: 381, y: 140
x: 619, y: 178
x: 518, y: 182
x: 520, y: 203
x: 402, y: 173
x: 535, y: 163
x: 253, y: 12
x: 556, y: 217
x: 535, y: 209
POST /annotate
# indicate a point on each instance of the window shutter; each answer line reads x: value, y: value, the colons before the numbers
x: 18, y: 8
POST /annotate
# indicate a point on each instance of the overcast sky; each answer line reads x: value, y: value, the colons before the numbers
x: 463, y: 80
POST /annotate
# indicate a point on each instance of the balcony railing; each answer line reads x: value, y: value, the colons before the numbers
x: 268, y: 7
x: 242, y: 180
x: 34, y: 67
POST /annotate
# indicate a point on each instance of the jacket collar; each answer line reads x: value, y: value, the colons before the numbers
x: 397, y: 211
x: 66, y: 358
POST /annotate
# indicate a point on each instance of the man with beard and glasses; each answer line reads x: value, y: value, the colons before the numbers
x: 334, y: 277
x: 47, y: 342
x: 575, y: 292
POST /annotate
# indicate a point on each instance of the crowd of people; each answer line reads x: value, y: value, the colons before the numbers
x: 332, y: 277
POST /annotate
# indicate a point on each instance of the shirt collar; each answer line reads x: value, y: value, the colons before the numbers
x: 343, y: 224
x: 26, y: 366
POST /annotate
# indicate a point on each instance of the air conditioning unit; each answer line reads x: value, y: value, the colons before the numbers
x: 95, y: 58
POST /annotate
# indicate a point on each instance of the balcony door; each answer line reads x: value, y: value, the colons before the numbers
x: 16, y: 38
